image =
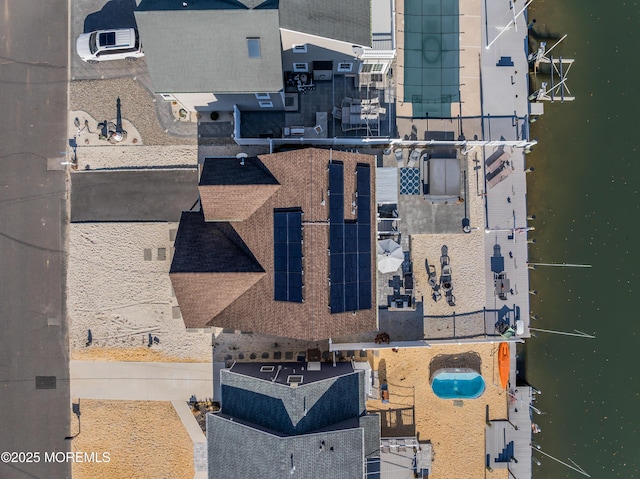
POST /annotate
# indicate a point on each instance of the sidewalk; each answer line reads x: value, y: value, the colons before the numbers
x: 140, y: 381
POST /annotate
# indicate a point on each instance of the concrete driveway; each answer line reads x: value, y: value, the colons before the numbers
x: 141, y: 381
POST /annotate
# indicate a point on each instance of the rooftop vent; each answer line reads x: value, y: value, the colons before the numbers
x: 294, y: 379
x: 314, y: 366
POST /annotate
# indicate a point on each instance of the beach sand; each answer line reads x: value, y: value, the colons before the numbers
x: 122, y: 298
x: 143, y: 439
x: 457, y: 432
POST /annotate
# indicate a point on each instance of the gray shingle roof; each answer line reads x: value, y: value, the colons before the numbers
x: 346, y: 20
x: 271, y: 430
x: 291, y: 411
x: 371, y: 425
x: 237, y: 450
x: 194, y: 51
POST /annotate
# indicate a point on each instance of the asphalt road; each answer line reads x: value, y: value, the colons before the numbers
x: 33, y: 334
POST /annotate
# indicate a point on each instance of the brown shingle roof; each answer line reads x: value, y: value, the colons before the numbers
x: 303, y: 179
x: 202, y: 296
x: 232, y: 189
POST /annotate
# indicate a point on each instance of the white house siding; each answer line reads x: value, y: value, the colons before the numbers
x: 225, y: 101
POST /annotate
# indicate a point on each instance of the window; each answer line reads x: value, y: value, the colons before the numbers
x: 267, y: 369
x: 253, y: 46
x: 371, y: 67
x: 300, y: 48
x: 108, y: 39
x: 263, y: 96
x: 345, y: 67
x: 265, y: 104
x: 300, y: 67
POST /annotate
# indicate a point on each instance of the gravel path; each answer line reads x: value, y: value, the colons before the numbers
x: 98, y: 98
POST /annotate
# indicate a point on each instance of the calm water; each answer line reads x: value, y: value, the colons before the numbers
x: 585, y: 194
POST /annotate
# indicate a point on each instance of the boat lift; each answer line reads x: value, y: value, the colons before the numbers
x: 560, y: 67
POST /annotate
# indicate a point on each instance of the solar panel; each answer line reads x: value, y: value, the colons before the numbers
x: 364, y: 267
x: 336, y: 298
x: 349, y: 243
x: 287, y: 255
x: 363, y: 185
x: 350, y: 237
x: 350, y: 296
x: 364, y: 179
x: 336, y: 238
x: 364, y: 295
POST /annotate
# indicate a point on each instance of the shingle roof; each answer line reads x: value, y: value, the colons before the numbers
x: 237, y: 450
x: 371, y: 425
x: 314, y: 430
x: 349, y: 21
x: 211, y: 268
x: 291, y: 411
x: 230, y: 191
x: 234, y: 171
x: 203, y: 247
x: 303, y: 179
x: 205, y: 50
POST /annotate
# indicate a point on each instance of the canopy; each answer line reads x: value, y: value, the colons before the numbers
x: 390, y: 256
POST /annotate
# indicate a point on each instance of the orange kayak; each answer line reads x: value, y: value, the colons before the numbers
x: 504, y: 359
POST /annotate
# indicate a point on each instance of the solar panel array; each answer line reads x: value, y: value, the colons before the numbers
x: 287, y: 251
x: 349, y: 243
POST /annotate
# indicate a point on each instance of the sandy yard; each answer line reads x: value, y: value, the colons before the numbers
x: 466, y: 254
x: 456, y: 430
x: 144, y: 440
x: 123, y: 298
x: 100, y: 157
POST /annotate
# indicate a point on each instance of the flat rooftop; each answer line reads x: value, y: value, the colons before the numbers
x: 278, y: 373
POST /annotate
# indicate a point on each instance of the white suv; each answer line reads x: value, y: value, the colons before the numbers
x: 102, y: 45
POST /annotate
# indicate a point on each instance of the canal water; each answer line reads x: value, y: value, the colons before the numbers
x: 585, y: 194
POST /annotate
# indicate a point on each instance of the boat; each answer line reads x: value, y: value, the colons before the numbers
x: 504, y: 358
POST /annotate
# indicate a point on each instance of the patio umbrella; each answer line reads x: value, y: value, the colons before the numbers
x: 390, y: 256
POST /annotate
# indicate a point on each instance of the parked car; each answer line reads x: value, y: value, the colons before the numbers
x: 116, y: 44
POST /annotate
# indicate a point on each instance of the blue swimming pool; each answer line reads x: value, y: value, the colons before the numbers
x: 457, y: 384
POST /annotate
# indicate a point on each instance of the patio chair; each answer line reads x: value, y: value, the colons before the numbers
x: 431, y: 271
x: 451, y: 299
x: 436, y: 296
x: 445, y: 279
x: 444, y: 258
x: 399, y: 154
x: 414, y: 155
